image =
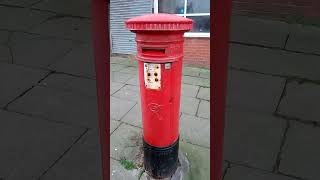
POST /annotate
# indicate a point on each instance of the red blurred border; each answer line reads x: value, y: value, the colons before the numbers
x: 220, y: 12
x: 101, y: 44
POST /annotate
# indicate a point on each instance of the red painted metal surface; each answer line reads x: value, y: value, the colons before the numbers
x: 220, y: 28
x: 101, y: 41
x: 160, y: 40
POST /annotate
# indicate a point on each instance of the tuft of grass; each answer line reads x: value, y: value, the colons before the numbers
x: 128, y: 165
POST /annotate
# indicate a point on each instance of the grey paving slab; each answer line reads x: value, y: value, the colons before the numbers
x: 134, y: 81
x: 253, y: 138
x: 205, y: 73
x: 29, y: 146
x: 276, y: 62
x: 123, y: 60
x: 58, y: 105
x: 36, y: 50
x: 254, y: 92
x: 300, y: 155
x: 128, y: 92
x: 4, y: 36
x: 197, y: 81
x: 114, y: 87
x: 82, y: 162
x: 114, y: 124
x: 118, y: 172
x: 125, y: 143
x: 189, y: 105
x: 73, y: 84
x: 301, y: 101
x: 130, y: 70
x: 134, y: 116
x: 204, y: 93
x: 120, y: 77
x: 189, y: 90
x: 5, y: 54
x: 82, y: 7
x: 239, y: 172
x: 117, y: 67
x: 23, y: 3
x: 119, y: 107
x: 15, y: 80
x: 204, y: 109
x: 304, y: 39
x: 258, y: 31
x: 199, y: 159
x: 65, y: 27
x: 20, y: 18
x: 195, y: 130
x: 190, y: 71
x: 78, y: 62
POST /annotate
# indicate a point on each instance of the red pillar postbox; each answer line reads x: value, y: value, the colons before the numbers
x: 160, y: 40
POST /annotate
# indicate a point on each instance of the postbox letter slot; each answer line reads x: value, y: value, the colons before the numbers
x: 153, y: 52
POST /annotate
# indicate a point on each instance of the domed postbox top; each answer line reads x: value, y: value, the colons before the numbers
x: 159, y: 22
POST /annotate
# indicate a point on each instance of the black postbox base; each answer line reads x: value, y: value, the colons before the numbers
x: 161, y: 162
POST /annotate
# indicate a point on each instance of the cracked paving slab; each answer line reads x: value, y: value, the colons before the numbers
x: 240, y: 172
x: 119, y: 107
x: 21, y: 19
x: 272, y: 61
x: 254, y: 92
x: 253, y: 138
x: 71, y: 7
x: 36, y: 50
x: 4, y: 36
x: 258, y: 31
x: 82, y: 162
x: 301, y: 101
x: 15, y: 80
x: 34, y: 145
x: 79, y: 61
x: 300, y: 155
x: 126, y: 142
x: 304, y: 39
x: 81, y: 86
x: 65, y: 27
x: 23, y: 3
x: 58, y: 105
x: 5, y: 54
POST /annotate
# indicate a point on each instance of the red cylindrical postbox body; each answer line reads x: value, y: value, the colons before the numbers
x: 160, y: 40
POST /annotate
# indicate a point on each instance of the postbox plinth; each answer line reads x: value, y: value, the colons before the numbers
x: 160, y: 40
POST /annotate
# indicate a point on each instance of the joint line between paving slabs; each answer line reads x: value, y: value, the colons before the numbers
x: 283, y: 141
x: 302, y: 121
x: 198, y: 108
x: 286, y: 41
x: 26, y: 91
x: 226, y: 170
x: 198, y: 92
x: 59, y: 57
x: 11, y: 54
x: 46, y: 119
x: 274, y: 48
x: 116, y: 127
x: 188, y: 142
x: 11, y: 6
x: 63, y: 154
x: 289, y: 77
x: 264, y: 170
x: 283, y: 94
x: 32, y: 4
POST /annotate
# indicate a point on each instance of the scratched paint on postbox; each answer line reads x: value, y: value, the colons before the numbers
x: 152, y: 75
